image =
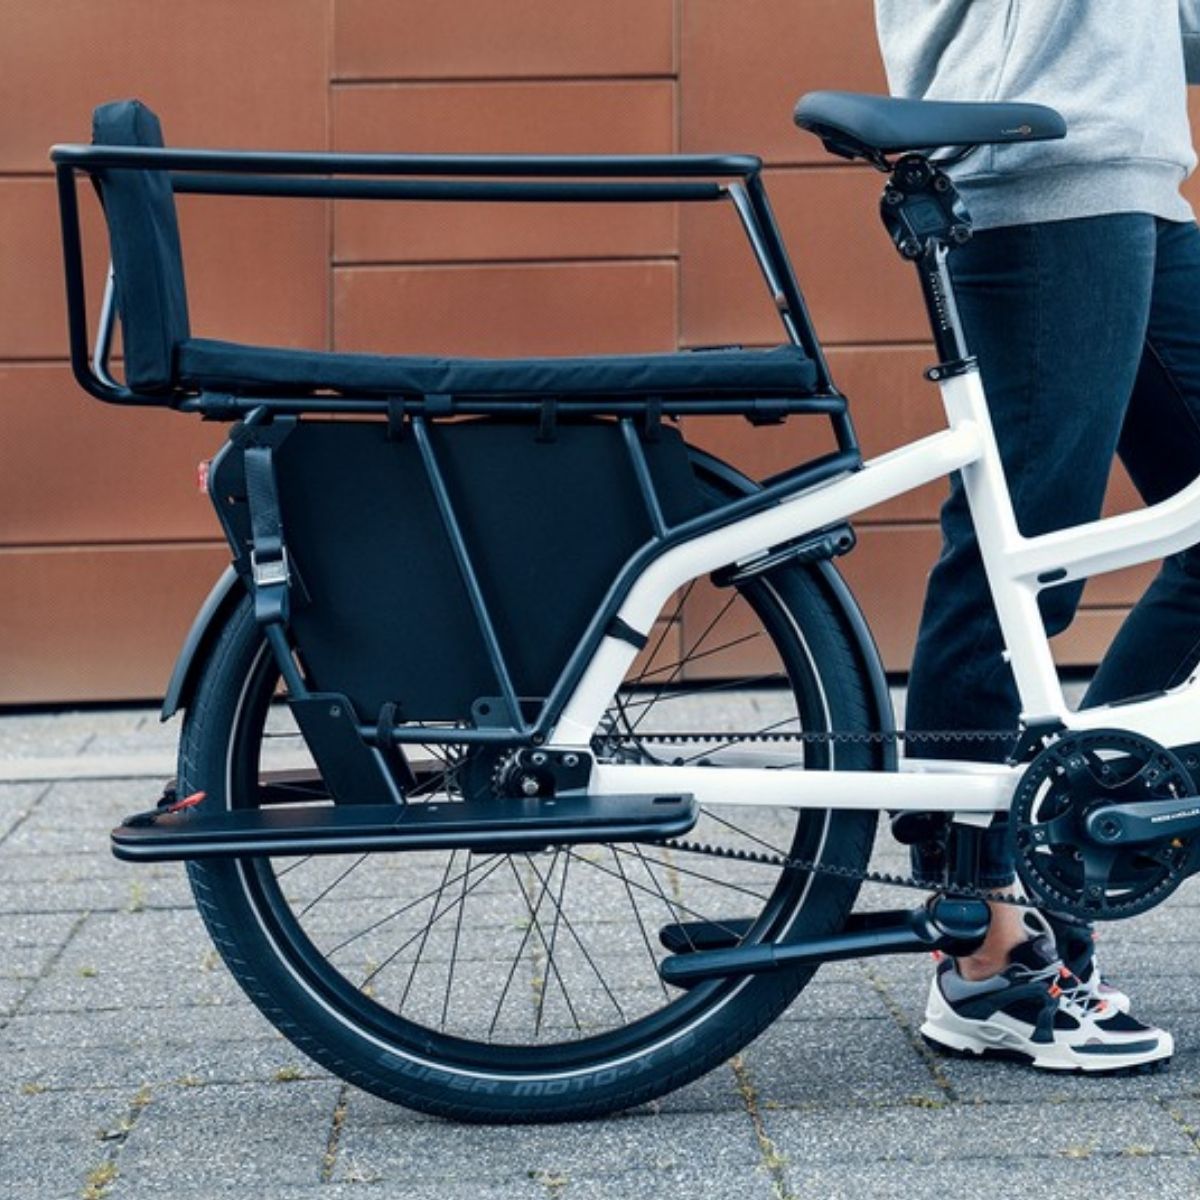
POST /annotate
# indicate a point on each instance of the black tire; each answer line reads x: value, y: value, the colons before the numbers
x: 333, y: 1014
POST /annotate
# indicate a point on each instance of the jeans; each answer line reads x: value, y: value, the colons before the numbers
x: 1088, y: 338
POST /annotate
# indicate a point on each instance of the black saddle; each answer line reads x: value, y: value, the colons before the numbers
x: 855, y: 125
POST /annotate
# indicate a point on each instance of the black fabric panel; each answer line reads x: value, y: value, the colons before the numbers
x: 230, y: 367
x: 144, y: 236
x: 548, y: 526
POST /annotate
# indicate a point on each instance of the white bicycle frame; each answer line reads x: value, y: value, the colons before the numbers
x: 1017, y: 568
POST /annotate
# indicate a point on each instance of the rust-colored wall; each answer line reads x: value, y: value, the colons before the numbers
x: 106, y: 548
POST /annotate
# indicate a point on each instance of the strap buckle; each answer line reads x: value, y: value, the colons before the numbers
x: 270, y: 571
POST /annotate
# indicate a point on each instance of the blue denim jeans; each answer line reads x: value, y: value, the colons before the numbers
x: 1088, y: 338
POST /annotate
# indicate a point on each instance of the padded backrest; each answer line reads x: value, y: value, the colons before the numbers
x: 139, y: 207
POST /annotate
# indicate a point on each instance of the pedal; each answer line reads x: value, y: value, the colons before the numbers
x: 483, y: 827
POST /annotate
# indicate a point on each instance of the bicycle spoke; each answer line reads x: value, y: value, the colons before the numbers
x: 641, y: 923
x: 691, y: 659
x: 457, y: 934
x: 393, y: 915
x: 570, y: 928
x: 641, y: 887
x: 452, y: 907
x: 723, y: 883
x: 412, y: 974
x: 562, y: 888
x: 709, y: 689
x: 548, y: 947
x: 695, y: 646
x: 512, y: 971
x: 676, y: 613
x: 658, y: 887
x: 708, y: 812
x: 358, y: 862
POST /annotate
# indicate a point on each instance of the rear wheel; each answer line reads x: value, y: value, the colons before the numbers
x: 504, y: 987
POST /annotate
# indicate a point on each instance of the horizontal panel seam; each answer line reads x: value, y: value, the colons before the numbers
x: 362, y: 82
x: 14, y: 548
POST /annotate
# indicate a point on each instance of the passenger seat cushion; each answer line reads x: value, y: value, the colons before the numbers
x: 139, y: 207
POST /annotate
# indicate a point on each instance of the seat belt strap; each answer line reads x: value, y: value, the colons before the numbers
x: 268, y: 552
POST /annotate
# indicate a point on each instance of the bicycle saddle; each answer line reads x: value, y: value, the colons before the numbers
x: 855, y: 125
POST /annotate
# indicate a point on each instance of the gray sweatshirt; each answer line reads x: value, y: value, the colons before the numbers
x: 1117, y: 70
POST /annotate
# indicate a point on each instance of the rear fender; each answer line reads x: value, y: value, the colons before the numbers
x: 225, y: 596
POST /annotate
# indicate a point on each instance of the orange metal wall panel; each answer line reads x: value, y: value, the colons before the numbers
x: 857, y: 288
x: 97, y: 623
x: 539, y: 308
x: 257, y: 270
x: 745, y: 65
x: 104, y: 546
x: 221, y: 73
x: 576, y: 117
x: 33, y: 315
x: 74, y: 471
x: 409, y: 39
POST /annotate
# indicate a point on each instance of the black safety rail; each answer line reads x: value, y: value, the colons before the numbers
x: 452, y: 178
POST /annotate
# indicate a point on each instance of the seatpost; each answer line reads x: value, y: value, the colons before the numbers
x: 925, y: 217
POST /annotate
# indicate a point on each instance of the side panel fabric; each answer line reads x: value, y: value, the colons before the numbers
x: 382, y: 613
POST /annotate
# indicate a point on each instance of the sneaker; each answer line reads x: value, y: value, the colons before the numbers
x: 1036, y: 1011
x: 1076, y: 945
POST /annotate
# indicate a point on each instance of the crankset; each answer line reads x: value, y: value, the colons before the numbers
x: 1104, y: 825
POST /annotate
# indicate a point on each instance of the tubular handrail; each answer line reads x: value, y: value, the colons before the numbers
x: 439, y: 177
x: 276, y: 162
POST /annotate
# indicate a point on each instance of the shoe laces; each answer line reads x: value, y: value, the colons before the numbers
x: 1068, y: 990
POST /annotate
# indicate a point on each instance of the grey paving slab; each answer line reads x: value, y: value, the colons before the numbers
x: 12, y: 992
x: 384, y: 1143
x: 708, y: 1182
x: 37, y: 1055
x: 1132, y: 1178
x: 137, y: 960
x: 851, y: 1106
x: 222, y: 1137
x: 960, y: 1132
x: 49, y: 1142
x: 858, y: 1062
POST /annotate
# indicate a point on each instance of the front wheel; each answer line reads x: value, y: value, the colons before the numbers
x: 525, y: 986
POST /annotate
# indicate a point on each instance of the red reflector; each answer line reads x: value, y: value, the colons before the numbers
x: 202, y: 476
x: 187, y: 802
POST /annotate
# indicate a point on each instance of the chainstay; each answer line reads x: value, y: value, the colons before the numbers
x: 813, y: 866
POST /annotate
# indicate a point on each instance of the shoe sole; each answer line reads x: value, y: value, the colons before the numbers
x: 1147, y: 1067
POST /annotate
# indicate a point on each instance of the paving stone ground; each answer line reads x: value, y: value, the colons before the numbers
x: 131, y: 1065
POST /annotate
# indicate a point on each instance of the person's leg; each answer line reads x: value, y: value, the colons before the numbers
x: 1159, y: 642
x: 1056, y: 314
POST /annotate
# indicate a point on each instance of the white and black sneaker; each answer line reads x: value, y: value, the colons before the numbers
x: 1036, y: 1011
x: 1076, y: 944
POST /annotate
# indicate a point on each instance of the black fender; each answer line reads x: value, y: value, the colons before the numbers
x: 841, y: 599
x: 225, y: 596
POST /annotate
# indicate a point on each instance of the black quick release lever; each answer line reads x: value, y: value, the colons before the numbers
x: 1143, y: 821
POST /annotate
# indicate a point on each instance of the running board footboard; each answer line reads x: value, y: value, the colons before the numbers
x: 483, y: 827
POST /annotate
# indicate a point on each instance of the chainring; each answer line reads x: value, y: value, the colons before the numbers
x: 1060, y: 865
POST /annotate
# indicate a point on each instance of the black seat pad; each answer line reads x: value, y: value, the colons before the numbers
x: 849, y: 121
x: 265, y: 370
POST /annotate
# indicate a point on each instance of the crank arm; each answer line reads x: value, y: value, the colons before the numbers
x: 1143, y: 821
x: 955, y: 926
